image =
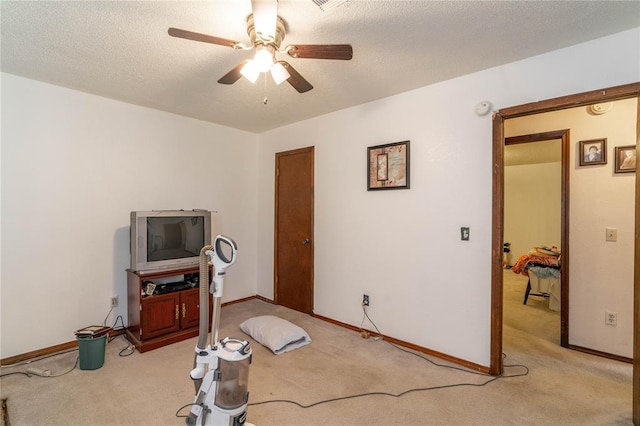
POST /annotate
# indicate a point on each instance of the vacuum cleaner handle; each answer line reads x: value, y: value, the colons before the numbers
x: 224, y: 262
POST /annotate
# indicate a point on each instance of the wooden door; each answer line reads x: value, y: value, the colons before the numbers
x: 160, y: 315
x: 293, y: 268
x: 190, y: 305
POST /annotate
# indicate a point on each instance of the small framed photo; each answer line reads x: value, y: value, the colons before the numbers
x: 388, y: 166
x: 593, y: 152
x: 625, y: 159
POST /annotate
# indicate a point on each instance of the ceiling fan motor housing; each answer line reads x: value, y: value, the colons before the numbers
x: 258, y: 39
x: 267, y: 43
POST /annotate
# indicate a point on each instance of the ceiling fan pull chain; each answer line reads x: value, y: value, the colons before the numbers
x: 266, y: 99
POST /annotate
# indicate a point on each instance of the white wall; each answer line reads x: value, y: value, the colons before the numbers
x: 403, y: 247
x: 532, y: 206
x: 73, y: 166
x: 65, y: 150
x: 601, y: 272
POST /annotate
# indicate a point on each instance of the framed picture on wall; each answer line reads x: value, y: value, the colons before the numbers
x: 593, y: 151
x: 388, y: 166
x: 625, y: 159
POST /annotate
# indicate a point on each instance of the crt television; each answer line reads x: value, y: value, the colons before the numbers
x: 168, y: 239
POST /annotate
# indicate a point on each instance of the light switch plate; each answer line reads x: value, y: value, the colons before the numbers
x: 464, y: 233
x: 611, y: 234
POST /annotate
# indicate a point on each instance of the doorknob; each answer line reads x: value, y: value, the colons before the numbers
x: 306, y: 242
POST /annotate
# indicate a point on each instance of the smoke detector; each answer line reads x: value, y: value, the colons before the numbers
x: 483, y: 108
x: 599, y: 109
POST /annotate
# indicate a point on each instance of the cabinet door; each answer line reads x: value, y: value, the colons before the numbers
x: 160, y: 315
x: 190, y: 309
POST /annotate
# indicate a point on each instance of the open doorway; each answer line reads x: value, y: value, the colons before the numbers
x: 535, y: 218
x: 583, y: 99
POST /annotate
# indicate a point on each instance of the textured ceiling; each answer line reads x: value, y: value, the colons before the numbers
x: 121, y: 49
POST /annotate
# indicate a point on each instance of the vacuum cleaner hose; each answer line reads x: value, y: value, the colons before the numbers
x: 204, y: 306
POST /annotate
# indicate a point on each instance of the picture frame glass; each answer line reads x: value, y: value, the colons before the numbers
x: 388, y: 166
x: 625, y: 159
x: 593, y: 152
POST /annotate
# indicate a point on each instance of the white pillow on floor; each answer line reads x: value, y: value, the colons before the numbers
x: 275, y: 333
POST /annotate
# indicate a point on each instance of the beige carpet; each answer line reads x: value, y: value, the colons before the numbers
x: 562, y: 387
x: 534, y: 318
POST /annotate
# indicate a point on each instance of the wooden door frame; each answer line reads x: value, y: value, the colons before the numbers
x: 311, y: 150
x: 583, y: 99
x: 563, y: 135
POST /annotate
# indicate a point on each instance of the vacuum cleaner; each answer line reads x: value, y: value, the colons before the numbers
x: 221, y: 368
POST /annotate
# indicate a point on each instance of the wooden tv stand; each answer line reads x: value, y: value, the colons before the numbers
x: 161, y: 319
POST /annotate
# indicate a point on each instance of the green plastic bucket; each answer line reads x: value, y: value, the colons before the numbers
x: 92, y: 352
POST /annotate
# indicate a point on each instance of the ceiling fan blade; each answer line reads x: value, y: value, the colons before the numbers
x: 321, y: 51
x: 265, y: 15
x: 296, y: 80
x: 190, y: 35
x: 233, y: 75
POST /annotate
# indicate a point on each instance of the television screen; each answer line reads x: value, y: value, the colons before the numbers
x: 168, y: 239
x: 174, y: 237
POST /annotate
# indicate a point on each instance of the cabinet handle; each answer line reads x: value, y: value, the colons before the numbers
x: 184, y: 310
x: 177, y: 312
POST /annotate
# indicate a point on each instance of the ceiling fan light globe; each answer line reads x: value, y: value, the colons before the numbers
x: 279, y: 73
x: 250, y: 71
x: 263, y: 60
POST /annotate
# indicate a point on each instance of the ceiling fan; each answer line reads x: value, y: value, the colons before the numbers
x: 266, y: 31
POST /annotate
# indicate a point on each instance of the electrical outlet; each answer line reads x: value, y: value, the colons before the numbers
x: 610, y: 318
x: 114, y: 301
x: 365, y: 300
x: 611, y: 234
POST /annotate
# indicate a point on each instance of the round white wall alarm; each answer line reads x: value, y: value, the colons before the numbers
x: 598, y: 109
x: 483, y: 108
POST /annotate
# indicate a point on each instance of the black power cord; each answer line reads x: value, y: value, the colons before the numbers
x: 403, y: 393
x: 47, y: 376
x: 130, y: 348
x: 408, y: 391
